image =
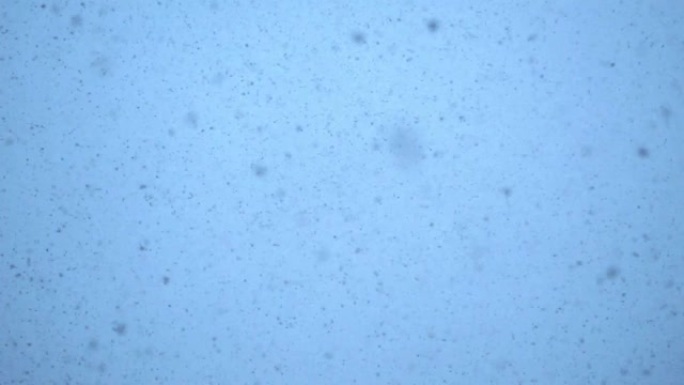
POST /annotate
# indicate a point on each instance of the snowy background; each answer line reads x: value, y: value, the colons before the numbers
x: 318, y: 192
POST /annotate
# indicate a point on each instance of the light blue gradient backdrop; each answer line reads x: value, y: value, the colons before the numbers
x: 337, y: 193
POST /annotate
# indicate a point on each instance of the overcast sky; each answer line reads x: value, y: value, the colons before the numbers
x: 318, y: 192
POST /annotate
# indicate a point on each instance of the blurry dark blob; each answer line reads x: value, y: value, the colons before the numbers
x: 665, y: 112
x: 359, y: 38
x: 405, y: 146
x: 433, y: 25
x: 259, y: 170
x: 191, y: 119
x: 93, y: 344
x: 76, y: 21
x: 643, y: 152
x: 119, y: 328
x: 612, y: 272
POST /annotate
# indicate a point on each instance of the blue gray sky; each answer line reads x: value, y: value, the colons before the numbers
x: 356, y: 192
